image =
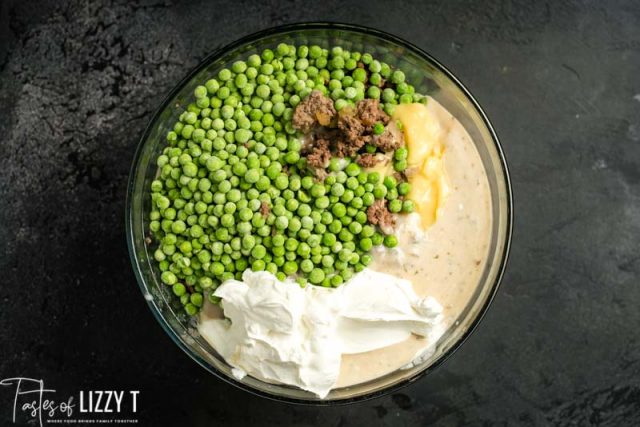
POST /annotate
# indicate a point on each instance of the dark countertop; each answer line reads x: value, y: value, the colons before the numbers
x: 559, y: 346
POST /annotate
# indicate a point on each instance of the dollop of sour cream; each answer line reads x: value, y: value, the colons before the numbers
x: 282, y: 333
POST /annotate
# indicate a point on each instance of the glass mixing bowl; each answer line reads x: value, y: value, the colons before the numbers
x: 429, y: 77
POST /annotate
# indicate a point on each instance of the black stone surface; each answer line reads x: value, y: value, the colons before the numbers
x: 560, y: 81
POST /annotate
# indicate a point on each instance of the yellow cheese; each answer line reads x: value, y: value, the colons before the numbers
x: 423, y: 136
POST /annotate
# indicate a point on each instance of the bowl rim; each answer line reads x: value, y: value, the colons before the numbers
x: 320, y: 25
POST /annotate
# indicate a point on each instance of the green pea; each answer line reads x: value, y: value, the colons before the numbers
x: 168, y: 278
x: 407, y: 206
x: 404, y: 188
x: 282, y: 222
x: 397, y: 77
x: 289, y: 268
x: 390, y: 182
x: 212, y: 86
x: 355, y: 227
x: 373, y: 92
x: 258, y: 252
x: 400, y: 165
x: 392, y: 194
x: 306, y: 266
x: 322, y: 202
x: 316, y: 276
x: 377, y: 239
x: 390, y: 241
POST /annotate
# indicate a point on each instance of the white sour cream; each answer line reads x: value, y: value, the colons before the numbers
x: 282, y: 333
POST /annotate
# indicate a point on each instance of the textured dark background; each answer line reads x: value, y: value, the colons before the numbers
x: 561, y: 82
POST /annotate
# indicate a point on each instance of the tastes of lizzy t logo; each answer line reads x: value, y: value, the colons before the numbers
x: 33, y: 401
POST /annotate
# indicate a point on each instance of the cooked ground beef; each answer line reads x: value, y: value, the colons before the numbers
x: 378, y: 214
x: 388, y: 141
x: 369, y: 112
x: 350, y: 126
x: 349, y: 149
x: 319, y: 154
x: 353, y: 135
x: 313, y: 110
x: 320, y: 173
x: 344, y: 134
x: 265, y: 209
x: 399, y: 176
x: 368, y: 160
x: 342, y: 149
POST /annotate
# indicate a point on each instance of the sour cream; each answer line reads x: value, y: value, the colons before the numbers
x: 282, y: 333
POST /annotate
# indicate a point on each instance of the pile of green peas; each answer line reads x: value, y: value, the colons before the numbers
x: 234, y: 150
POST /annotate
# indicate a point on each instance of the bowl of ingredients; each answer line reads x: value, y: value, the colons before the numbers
x: 319, y: 213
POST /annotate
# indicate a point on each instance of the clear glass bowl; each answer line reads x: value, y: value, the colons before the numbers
x: 429, y: 77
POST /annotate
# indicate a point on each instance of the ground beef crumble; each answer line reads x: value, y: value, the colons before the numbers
x: 368, y: 160
x: 316, y: 109
x: 378, y: 214
x: 343, y: 134
x: 319, y: 154
x: 320, y: 173
x: 354, y: 134
x: 265, y: 209
x: 389, y: 140
x: 369, y: 112
x: 399, y: 177
x: 344, y: 148
x: 351, y: 127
